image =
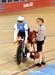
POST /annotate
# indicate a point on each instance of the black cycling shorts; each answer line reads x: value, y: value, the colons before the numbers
x: 22, y: 34
x: 39, y: 45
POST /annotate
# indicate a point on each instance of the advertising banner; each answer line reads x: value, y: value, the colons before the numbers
x: 21, y: 6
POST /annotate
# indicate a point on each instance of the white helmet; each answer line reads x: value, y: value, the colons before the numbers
x: 20, y: 18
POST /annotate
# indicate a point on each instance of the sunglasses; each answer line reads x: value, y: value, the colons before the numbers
x: 20, y: 21
x: 38, y: 21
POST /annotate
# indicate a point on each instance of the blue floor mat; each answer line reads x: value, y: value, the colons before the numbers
x: 52, y: 65
x: 47, y: 70
x: 37, y: 73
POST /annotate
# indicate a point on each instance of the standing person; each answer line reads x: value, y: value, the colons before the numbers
x: 21, y: 29
x: 40, y: 40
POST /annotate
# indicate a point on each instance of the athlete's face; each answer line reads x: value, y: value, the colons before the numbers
x: 39, y: 22
x: 20, y: 23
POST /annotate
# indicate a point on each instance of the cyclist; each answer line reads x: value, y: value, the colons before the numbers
x: 21, y: 29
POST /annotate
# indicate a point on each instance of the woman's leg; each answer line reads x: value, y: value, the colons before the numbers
x: 40, y: 57
x: 39, y: 50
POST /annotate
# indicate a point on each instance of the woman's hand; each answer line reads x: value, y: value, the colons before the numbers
x: 33, y: 40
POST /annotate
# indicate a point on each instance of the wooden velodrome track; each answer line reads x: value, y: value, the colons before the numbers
x: 8, y: 65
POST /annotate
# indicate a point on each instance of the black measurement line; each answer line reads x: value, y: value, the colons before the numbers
x: 30, y: 67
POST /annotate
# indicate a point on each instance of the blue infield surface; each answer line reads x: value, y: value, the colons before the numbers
x: 47, y: 70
